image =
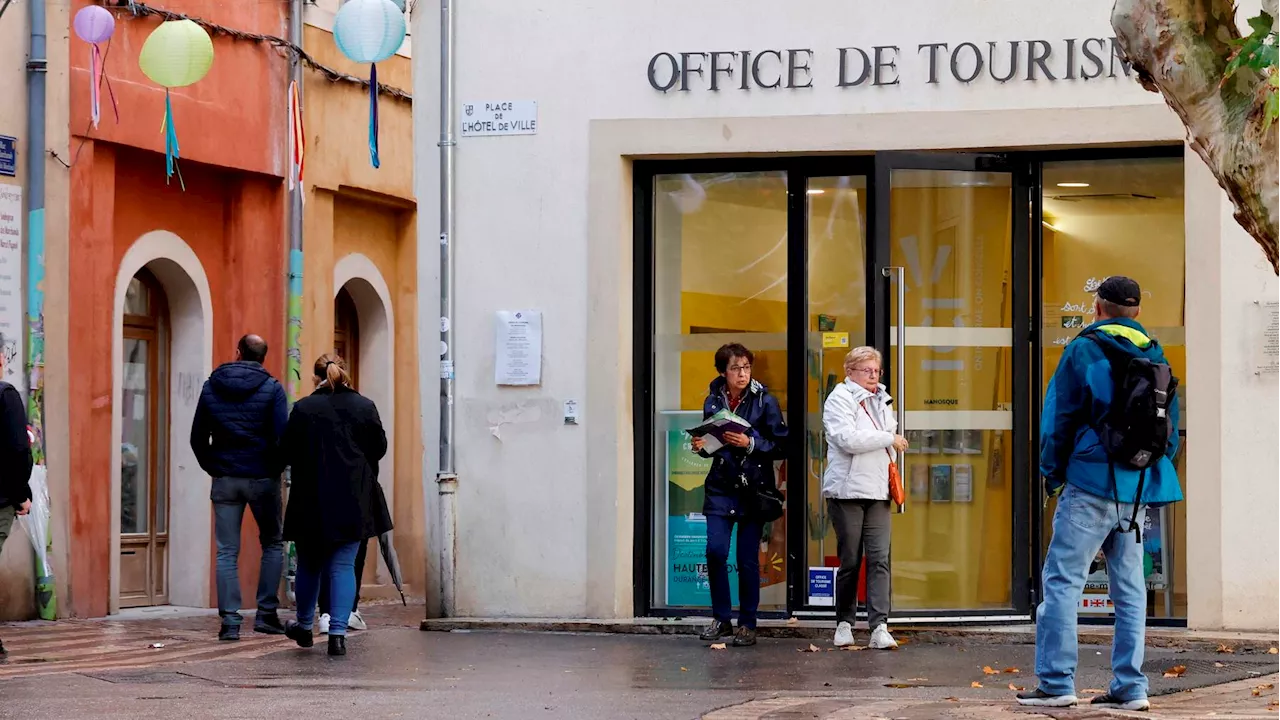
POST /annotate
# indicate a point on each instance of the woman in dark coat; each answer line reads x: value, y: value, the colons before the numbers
x: 333, y: 442
x: 738, y: 468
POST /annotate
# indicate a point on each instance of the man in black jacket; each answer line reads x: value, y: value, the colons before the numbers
x: 15, y: 458
x: 236, y: 438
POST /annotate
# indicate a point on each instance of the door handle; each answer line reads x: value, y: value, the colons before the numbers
x: 900, y: 369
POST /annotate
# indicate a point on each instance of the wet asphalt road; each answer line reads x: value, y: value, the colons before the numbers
x: 402, y: 672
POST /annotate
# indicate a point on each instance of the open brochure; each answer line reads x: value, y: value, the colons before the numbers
x: 713, y: 429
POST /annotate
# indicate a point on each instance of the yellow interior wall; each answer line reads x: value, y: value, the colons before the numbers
x: 353, y: 207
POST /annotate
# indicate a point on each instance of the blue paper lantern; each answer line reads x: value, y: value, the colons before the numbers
x: 369, y: 31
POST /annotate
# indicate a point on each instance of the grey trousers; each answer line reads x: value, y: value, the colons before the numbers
x: 862, y: 526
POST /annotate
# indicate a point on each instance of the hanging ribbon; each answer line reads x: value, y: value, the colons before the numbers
x: 297, y: 139
x: 171, y: 144
x: 373, y: 115
x: 98, y: 78
x: 95, y: 76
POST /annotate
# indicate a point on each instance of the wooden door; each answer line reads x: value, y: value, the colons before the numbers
x: 144, y: 476
x: 346, y: 334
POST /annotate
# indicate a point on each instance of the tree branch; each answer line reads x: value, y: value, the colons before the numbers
x: 1180, y: 49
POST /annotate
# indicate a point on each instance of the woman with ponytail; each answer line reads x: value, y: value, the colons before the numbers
x: 333, y: 442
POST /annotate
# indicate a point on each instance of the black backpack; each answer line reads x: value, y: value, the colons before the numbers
x: 1137, y: 428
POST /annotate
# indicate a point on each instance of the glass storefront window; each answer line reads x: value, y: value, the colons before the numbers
x: 720, y: 276
x: 1121, y: 217
x: 952, y: 231
x: 836, y: 211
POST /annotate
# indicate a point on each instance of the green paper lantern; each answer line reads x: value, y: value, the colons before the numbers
x: 176, y: 54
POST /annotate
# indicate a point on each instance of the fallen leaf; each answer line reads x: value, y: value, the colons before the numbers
x: 1257, y: 692
x: 684, y: 669
x: 718, y: 646
x: 898, y: 685
x: 854, y: 648
x: 1267, y: 686
x: 1176, y: 671
x: 975, y: 684
x: 1225, y: 649
x: 987, y: 670
x: 1016, y: 688
x: 1273, y: 651
x: 1219, y: 665
x: 903, y: 641
x: 1012, y: 671
x: 811, y: 648
x: 917, y: 679
x: 793, y: 621
x: 953, y: 699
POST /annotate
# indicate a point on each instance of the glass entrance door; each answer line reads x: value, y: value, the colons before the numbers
x: 951, y: 250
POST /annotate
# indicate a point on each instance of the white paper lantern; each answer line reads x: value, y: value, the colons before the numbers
x: 369, y: 31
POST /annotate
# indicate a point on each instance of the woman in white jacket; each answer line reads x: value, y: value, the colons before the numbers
x: 861, y: 435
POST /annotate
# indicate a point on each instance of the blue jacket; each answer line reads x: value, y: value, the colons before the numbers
x: 239, y: 421
x: 1077, y: 400
x: 730, y: 465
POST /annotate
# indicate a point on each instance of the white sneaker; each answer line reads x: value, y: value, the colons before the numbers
x: 881, y: 639
x: 322, y: 625
x: 844, y: 635
x: 356, y: 622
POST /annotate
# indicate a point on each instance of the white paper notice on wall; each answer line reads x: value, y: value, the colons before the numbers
x: 518, y: 348
x: 500, y: 117
x: 12, y: 322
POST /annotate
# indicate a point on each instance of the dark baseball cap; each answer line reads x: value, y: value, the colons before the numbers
x: 1120, y: 290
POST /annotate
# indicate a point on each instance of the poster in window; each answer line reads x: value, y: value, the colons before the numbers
x: 940, y: 483
x: 962, y: 483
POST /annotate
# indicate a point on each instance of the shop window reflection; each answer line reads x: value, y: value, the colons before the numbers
x: 1121, y: 217
x: 720, y: 276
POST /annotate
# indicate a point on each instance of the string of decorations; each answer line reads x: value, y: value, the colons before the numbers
x: 142, y: 10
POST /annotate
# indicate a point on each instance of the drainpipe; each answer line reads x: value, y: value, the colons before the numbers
x: 37, y: 64
x: 447, y: 478
x: 293, y: 290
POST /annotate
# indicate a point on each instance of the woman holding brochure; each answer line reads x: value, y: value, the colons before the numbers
x: 861, y: 434
x: 746, y: 433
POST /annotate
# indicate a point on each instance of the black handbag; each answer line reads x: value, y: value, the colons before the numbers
x: 762, y: 502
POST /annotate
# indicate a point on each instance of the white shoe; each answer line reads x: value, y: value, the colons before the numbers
x: 322, y: 625
x: 844, y: 635
x: 881, y: 639
x: 356, y: 622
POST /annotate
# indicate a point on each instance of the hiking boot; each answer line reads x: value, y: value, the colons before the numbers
x: 337, y: 645
x: 1040, y: 698
x: 229, y: 633
x: 745, y: 637
x: 881, y: 639
x: 268, y: 624
x: 299, y: 634
x: 716, y: 630
x: 1109, y: 700
x: 844, y: 635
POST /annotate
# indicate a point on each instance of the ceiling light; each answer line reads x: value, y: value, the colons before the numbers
x: 1073, y: 184
x: 816, y: 191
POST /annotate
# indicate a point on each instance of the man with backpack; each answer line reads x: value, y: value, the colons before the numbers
x: 1109, y: 433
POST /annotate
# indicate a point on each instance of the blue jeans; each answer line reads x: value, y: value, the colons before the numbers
x: 230, y: 495
x: 719, y: 532
x: 338, y: 564
x: 1082, y: 525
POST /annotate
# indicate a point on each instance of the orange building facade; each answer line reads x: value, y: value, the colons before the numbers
x: 164, y: 276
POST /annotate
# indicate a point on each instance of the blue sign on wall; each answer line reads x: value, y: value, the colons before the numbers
x: 8, y: 155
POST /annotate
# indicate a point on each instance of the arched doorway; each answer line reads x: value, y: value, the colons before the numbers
x: 144, y: 445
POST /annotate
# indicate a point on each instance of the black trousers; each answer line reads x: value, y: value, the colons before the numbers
x: 324, y: 579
